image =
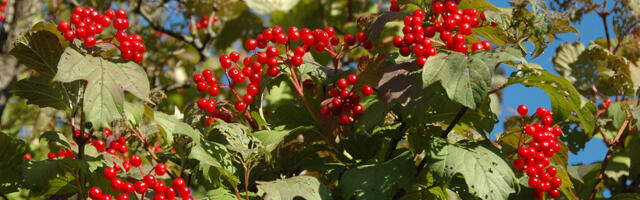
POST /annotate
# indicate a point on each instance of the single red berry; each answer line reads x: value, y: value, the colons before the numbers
x: 201, y: 86
x: 158, y: 187
x: 116, y: 184
x: 135, y: 160
x: 109, y: 173
x: 184, y: 192
x: 486, y: 44
x: 343, y: 120
x: 367, y: 90
x: 358, y: 109
x: 273, y: 71
x: 140, y: 187
x: 240, y: 106
x: 26, y: 156
x: 450, y: 6
x: 296, y: 60
x: 69, y: 35
x: 247, y: 99
x: 534, y: 182
x: 95, y: 192
x: 438, y: 7
x: 555, y: 182
x: 361, y: 36
x: 342, y: 83
x: 149, y: 179
x: 554, y: 193
x: 523, y: 110
x: 547, y: 120
x: 122, y: 196
x: 352, y: 79
x: 169, y: 192
x: 349, y: 39
x: 518, y: 164
x: 251, y: 44
x: 159, y: 197
x: 420, y: 61
x: 178, y: 183
x: 128, y: 188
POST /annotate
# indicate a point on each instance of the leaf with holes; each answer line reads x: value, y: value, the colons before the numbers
x: 486, y: 173
x: 106, y: 83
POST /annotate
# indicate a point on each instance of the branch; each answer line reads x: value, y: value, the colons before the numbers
x: 454, y: 122
x: 604, y: 15
x: 158, y: 27
x: 606, y: 160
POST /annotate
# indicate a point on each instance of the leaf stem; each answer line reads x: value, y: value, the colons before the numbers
x: 454, y: 122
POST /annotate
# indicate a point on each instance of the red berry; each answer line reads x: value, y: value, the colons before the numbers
x: 240, y: 106
x: 296, y: 60
x: 523, y: 110
x: 450, y: 6
x: 554, y: 193
x: 184, y: 192
x: 116, y: 184
x: 109, y: 173
x: 349, y: 39
x: 352, y: 79
x: 120, y: 13
x: 486, y: 44
x: 555, y: 182
x: 178, y: 183
x: 90, y: 41
x: 438, y: 7
x: 69, y: 35
x: 247, y: 99
x: 420, y: 61
x: 64, y: 26
x: 26, y: 156
x: 367, y: 90
x: 135, y: 160
x: 518, y: 164
x: 342, y: 83
x: 158, y: 187
x: 159, y: 197
x: 128, y: 188
x: 343, y: 120
x: 122, y: 196
x: 251, y: 44
x: 105, y: 197
x: 358, y: 109
x: 308, y: 39
x: 273, y: 71
x: 149, y: 179
x: 95, y: 192
x: 140, y: 187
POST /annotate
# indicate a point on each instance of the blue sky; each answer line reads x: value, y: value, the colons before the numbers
x: 590, y: 28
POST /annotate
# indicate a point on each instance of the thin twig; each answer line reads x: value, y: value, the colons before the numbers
x: 454, y: 122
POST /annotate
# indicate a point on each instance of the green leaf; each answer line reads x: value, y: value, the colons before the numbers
x: 11, y: 152
x: 307, y: 187
x: 214, y: 161
x: 626, y: 196
x: 40, y: 50
x: 39, y: 175
x: 170, y: 125
x: 377, y: 181
x: 273, y: 139
x: 486, y: 173
x: 52, y: 136
x: 268, y: 6
x: 618, y: 166
x: 615, y: 112
x: 481, y: 5
x: 220, y: 194
x: 567, y: 187
x: 107, y: 81
x: 466, y: 79
x: 375, y: 29
x: 133, y: 112
x: 566, y: 102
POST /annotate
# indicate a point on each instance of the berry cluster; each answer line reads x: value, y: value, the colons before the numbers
x: 161, y: 190
x: 534, y: 157
x: 251, y: 67
x: 345, y: 102
x: 204, y: 22
x: 88, y: 22
x: 60, y: 154
x: 446, y: 19
x: 3, y: 8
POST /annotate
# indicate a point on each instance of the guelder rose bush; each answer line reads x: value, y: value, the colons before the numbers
x: 312, y: 99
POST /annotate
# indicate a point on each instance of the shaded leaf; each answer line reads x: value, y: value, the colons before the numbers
x: 377, y: 181
x: 11, y: 152
x: 268, y: 6
x: 307, y: 187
